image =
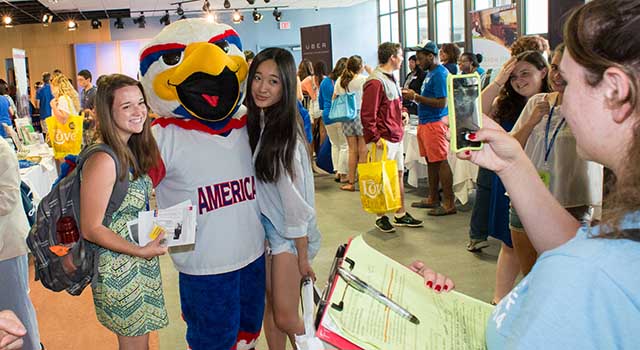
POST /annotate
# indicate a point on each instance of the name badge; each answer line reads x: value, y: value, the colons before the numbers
x: 545, y: 176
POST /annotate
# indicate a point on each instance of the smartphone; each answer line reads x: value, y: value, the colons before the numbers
x: 465, y: 110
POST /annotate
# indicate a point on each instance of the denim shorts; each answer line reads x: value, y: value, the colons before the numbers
x: 279, y: 244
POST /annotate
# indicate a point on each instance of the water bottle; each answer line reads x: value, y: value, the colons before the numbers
x: 67, y: 231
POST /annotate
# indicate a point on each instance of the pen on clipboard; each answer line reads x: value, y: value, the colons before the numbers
x: 361, y: 286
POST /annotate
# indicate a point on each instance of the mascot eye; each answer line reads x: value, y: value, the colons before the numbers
x: 172, y: 58
x: 224, y: 45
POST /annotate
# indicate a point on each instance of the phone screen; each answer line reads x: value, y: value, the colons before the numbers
x: 466, y: 100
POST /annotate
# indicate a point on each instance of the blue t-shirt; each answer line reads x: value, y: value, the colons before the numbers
x: 45, y: 96
x: 480, y: 70
x: 584, y: 294
x: 434, y: 86
x: 325, y: 95
x: 5, y: 118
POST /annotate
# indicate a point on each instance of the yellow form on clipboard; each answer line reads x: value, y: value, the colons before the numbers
x: 447, y: 320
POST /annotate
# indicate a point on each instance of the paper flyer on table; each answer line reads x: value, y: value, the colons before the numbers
x: 447, y: 320
x: 177, y: 222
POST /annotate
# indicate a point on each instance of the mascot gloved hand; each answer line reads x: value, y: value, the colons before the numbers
x: 194, y: 73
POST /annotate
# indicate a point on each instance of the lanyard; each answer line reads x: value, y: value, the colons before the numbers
x: 549, y: 145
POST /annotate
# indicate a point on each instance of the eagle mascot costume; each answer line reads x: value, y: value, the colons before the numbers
x: 194, y: 73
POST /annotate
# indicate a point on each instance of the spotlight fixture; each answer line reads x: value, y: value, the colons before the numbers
x: 251, y: 2
x: 277, y: 14
x: 140, y: 21
x: 47, y: 18
x: 7, y: 21
x: 180, y: 11
x: 96, y: 24
x: 211, y: 17
x: 226, y: 4
x: 237, y: 17
x: 166, y: 19
x: 257, y: 16
x: 206, y: 6
x: 266, y: 1
x: 72, y: 25
x: 118, y: 23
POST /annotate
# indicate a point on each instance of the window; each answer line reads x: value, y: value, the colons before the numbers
x: 388, y: 20
x: 423, y: 24
x: 411, y: 27
x: 483, y: 4
x: 385, y: 28
x: 443, y: 22
x: 458, y: 20
x: 536, y: 17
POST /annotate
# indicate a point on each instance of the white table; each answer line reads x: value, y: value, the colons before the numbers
x: 464, y: 172
x: 40, y: 177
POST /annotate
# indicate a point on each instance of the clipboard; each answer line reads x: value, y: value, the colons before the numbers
x: 347, y: 318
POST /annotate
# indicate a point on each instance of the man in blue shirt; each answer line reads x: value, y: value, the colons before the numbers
x: 432, y: 131
x: 43, y: 99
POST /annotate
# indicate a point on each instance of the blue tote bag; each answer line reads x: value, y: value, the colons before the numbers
x: 343, y: 109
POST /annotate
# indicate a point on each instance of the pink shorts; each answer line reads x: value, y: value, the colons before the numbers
x: 433, y: 142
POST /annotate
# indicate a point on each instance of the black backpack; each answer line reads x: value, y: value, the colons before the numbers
x: 69, y: 267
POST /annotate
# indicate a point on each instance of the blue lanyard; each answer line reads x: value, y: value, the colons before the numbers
x: 548, y: 146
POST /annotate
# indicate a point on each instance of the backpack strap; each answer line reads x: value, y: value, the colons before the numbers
x: 120, y: 188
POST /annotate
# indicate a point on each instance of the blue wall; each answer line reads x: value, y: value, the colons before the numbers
x: 354, y: 30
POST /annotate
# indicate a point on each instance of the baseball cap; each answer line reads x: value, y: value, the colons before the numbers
x: 429, y: 46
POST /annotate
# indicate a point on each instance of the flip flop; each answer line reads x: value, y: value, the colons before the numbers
x: 348, y: 187
x: 422, y: 204
x: 441, y: 211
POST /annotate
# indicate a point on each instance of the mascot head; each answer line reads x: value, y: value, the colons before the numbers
x: 195, y: 69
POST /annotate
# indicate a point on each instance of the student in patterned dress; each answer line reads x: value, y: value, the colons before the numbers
x: 128, y: 294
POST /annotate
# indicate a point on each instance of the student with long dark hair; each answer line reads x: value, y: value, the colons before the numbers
x: 285, y: 189
x: 128, y: 292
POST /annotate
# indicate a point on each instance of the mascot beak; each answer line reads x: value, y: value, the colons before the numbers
x: 206, y: 80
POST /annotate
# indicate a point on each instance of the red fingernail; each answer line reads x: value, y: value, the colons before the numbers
x: 446, y: 287
x: 429, y: 284
x: 438, y: 287
x: 467, y: 153
x: 472, y: 136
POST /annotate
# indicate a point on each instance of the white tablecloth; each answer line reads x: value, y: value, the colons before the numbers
x: 464, y: 172
x: 40, y: 177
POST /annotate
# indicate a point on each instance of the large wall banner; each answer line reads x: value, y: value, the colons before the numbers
x: 493, y: 31
x: 22, y: 86
x: 316, y: 44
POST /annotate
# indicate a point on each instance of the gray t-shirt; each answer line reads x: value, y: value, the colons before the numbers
x: 89, y: 98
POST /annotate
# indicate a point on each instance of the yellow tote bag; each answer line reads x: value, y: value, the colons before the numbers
x: 379, y: 183
x: 65, y: 138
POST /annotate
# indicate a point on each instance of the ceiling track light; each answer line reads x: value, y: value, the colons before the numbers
x: 180, y: 11
x: 277, y: 14
x: 206, y: 6
x: 257, y: 16
x: 118, y: 23
x: 251, y: 2
x: 96, y: 24
x: 140, y: 21
x: 166, y: 19
x: 72, y: 25
x: 227, y: 4
x: 266, y: 1
x: 237, y: 17
x: 47, y: 18
x: 7, y: 21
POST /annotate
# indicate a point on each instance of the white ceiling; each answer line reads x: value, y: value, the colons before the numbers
x: 137, y: 5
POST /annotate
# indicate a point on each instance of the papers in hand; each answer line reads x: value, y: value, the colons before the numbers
x: 178, y: 223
